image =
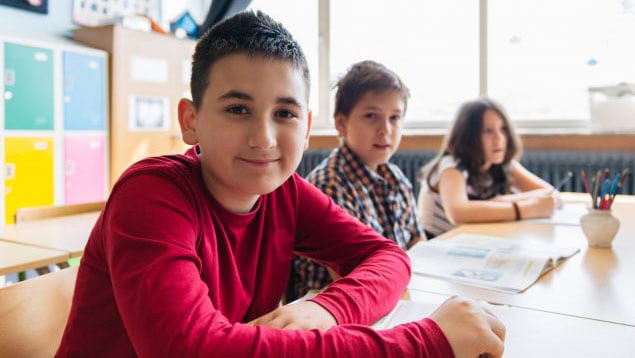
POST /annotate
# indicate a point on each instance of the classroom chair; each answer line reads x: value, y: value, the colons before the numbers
x: 33, y: 314
x: 34, y: 213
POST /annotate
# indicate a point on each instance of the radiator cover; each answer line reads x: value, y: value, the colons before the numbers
x: 549, y: 165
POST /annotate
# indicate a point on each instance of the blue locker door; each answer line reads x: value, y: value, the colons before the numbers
x: 84, y: 92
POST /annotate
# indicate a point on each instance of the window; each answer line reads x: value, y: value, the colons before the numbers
x: 431, y: 45
x: 537, y: 57
x: 543, y: 55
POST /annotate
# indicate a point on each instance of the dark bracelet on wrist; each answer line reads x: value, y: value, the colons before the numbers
x: 516, y: 210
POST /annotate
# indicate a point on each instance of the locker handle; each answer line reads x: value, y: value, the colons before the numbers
x: 9, y: 171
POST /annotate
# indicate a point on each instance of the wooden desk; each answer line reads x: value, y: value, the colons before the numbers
x: 531, y: 333
x: 66, y: 233
x: 595, y: 283
x: 16, y: 257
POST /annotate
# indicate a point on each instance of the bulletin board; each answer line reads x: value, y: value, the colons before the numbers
x: 97, y: 12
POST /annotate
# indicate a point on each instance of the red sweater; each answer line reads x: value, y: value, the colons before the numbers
x: 167, y: 271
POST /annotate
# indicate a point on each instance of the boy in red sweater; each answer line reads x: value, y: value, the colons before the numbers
x: 191, y: 253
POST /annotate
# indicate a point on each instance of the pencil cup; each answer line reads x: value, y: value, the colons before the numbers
x: 599, y: 227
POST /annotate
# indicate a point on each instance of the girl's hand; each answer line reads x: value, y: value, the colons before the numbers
x: 537, y: 207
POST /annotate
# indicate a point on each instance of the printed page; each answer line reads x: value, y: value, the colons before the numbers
x: 495, y: 263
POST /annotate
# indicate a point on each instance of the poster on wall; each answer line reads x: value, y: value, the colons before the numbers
x: 39, y: 6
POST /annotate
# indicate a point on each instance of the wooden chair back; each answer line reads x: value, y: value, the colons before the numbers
x: 46, y: 212
x: 33, y: 314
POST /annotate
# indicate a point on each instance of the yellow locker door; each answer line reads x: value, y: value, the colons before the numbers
x: 29, y: 173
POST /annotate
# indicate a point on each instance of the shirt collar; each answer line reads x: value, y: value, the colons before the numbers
x: 383, y: 172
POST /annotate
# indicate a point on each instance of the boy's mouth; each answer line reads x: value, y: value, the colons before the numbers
x: 263, y: 161
x: 382, y: 146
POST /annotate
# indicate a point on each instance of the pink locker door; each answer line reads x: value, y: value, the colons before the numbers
x: 85, y: 168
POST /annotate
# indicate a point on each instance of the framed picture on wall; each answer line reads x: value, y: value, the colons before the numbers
x: 39, y: 6
x: 148, y: 113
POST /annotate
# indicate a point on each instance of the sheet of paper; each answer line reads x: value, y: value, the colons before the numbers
x: 406, y: 311
x: 570, y: 214
x: 420, y: 308
x: 531, y: 333
x: 146, y: 69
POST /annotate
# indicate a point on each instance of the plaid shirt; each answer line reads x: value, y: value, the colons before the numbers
x: 382, y: 200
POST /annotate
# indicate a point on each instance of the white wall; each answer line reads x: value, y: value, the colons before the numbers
x: 57, y: 22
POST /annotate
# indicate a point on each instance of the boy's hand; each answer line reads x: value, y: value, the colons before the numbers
x: 471, y: 329
x: 304, y: 315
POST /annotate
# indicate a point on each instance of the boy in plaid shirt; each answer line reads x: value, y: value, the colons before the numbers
x: 370, y: 105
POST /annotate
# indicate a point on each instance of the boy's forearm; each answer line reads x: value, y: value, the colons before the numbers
x: 371, y: 290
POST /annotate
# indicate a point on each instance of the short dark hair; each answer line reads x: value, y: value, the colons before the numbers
x: 248, y: 32
x: 464, y: 143
x: 363, y: 77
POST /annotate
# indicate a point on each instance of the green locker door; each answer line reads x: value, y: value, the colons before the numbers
x: 28, y: 87
x: 28, y: 174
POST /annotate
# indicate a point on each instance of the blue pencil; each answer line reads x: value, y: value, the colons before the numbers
x: 614, y: 184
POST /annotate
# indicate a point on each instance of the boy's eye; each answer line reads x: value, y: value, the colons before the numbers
x: 285, y: 114
x: 395, y: 118
x: 238, y: 110
x: 370, y: 115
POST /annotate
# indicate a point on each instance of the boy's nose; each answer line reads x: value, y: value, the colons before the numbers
x: 384, y: 127
x: 263, y: 134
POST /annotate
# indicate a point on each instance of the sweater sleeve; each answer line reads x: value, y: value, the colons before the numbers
x: 150, y: 247
x: 375, y: 271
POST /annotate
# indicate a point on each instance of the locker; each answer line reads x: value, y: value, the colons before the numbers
x: 28, y: 173
x: 129, y: 52
x: 84, y: 168
x: 28, y: 84
x: 84, y: 92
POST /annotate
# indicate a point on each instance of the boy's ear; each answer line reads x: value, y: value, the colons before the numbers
x: 340, y: 124
x: 187, y: 121
x: 308, y: 130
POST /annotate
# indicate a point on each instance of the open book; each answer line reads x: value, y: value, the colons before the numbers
x: 489, y: 262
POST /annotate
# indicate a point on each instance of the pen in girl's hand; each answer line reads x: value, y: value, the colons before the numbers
x: 562, y: 182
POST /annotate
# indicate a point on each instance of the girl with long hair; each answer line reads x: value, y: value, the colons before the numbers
x: 477, y: 177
